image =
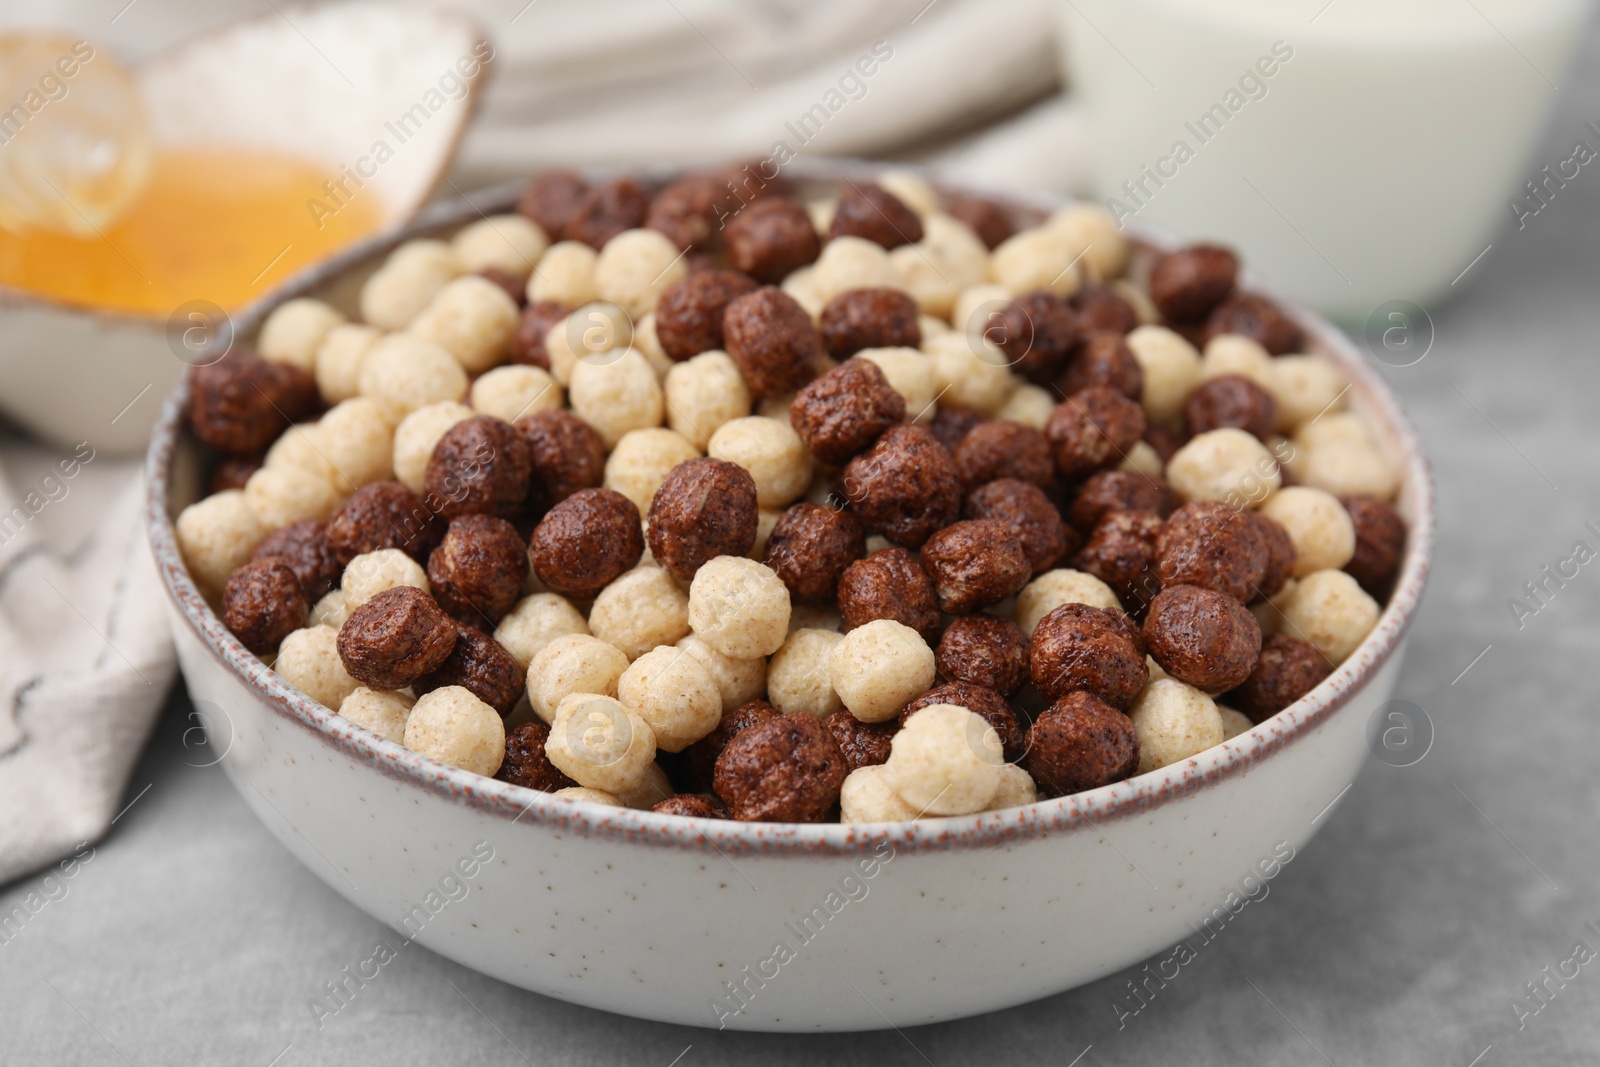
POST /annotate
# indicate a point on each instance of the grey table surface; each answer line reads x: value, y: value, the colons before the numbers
x: 1403, y: 934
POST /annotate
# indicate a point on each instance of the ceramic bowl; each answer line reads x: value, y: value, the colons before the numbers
x: 775, y: 926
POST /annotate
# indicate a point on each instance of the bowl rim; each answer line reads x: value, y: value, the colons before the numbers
x: 1080, y: 812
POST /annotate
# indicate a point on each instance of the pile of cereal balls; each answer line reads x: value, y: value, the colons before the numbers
x: 715, y: 501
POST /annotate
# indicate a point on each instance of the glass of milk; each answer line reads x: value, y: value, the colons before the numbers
x: 1355, y: 151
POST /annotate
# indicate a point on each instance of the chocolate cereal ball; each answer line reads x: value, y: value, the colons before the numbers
x: 787, y: 769
x: 1213, y: 546
x: 395, y: 638
x: 1103, y: 359
x: 1036, y: 332
x: 705, y: 508
x: 1380, y: 542
x: 1257, y: 318
x: 1078, y: 743
x: 973, y: 563
x: 264, y: 603
x: 606, y: 210
x: 1231, y: 400
x: 241, y: 403
x: 304, y: 546
x: 686, y: 210
x: 480, y: 466
x: 527, y: 343
x: 1186, y: 284
x: 863, y: 744
x: 991, y: 222
x: 1024, y: 507
x: 1280, y: 554
x: 1001, y: 449
x: 985, y: 650
x: 1101, y: 307
x: 566, y: 454
x: 889, y: 584
x: 383, y: 515
x: 585, y: 541
x: 1122, y: 552
x: 481, y: 666
x: 1287, y: 669
x: 844, y: 411
x: 1201, y: 637
x: 690, y: 805
x: 869, y: 318
x: 1093, y: 428
x: 772, y: 238
x: 811, y: 547
x: 689, y: 314
x: 981, y: 701
x: 1093, y: 649
x: 526, y: 763
x: 1118, y: 490
x: 478, y: 571
x: 868, y: 210
x: 551, y: 198
x: 700, y: 758
x: 904, y: 487
x: 771, y: 340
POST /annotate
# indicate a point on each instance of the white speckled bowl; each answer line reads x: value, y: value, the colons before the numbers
x: 777, y: 926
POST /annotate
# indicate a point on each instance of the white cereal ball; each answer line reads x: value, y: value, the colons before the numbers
x: 416, y: 437
x: 572, y: 663
x: 1090, y: 231
x: 739, y: 607
x: 738, y: 681
x: 703, y: 394
x: 1054, y: 588
x: 404, y: 372
x: 1173, y: 722
x: 589, y: 796
x: 1039, y: 258
x: 381, y: 712
x: 1229, y: 353
x: 509, y: 393
x: 909, y: 373
x: 917, y: 274
x: 773, y: 454
x: 1330, y: 610
x: 640, y: 610
x: 339, y: 359
x: 1305, y: 387
x: 1032, y: 405
x: 565, y: 274
x: 330, y: 611
x: 801, y: 285
x: 616, y: 392
x: 932, y: 327
x: 652, y: 789
x: 537, y: 620
x: 358, y: 443
x: 1142, y: 458
x: 281, y: 495
x: 1228, y: 465
x: 910, y: 188
x: 293, y: 331
x: 977, y: 309
x: 300, y: 447
x: 1339, y: 453
x: 670, y: 690
x: 453, y: 726
x: 949, y: 259
x: 1144, y: 309
x: 309, y: 660
x: 217, y: 535
x: 1171, y: 369
x: 598, y: 743
x: 851, y: 263
x: 372, y: 572
x: 473, y: 319
x: 1323, y: 535
x: 511, y: 243
x: 405, y: 284
x: 598, y: 329
x: 766, y: 522
x: 635, y: 266
x: 1234, y: 722
x: 648, y: 342
x: 946, y: 760
x: 641, y: 462
x: 879, y: 668
x: 867, y: 796
x: 822, y: 212
x: 1016, y: 789
x: 800, y: 677
x: 970, y: 372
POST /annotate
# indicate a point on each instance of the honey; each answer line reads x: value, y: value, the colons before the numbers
x: 223, y: 225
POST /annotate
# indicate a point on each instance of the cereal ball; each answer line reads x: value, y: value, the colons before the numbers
x: 407, y: 281
x: 910, y: 189
x: 909, y: 373
x: 1144, y: 460
x: 453, y: 726
x: 1102, y: 308
x: 527, y: 345
x: 1257, y: 318
x: 998, y: 449
x: 1093, y: 429
x: 331, y: 610
x: 357, y: 442
x: 771, y: 340
x: 878, y: 667
x: 705, y: 508
x: 810, y: 548
x: 771, y: 239
x: 1234, y: 723
x: 478, y: 571
x: 634, y: 267
x: 1024, y: 508
x: 844, y: 411
x: 970, y: 372
x: 739, y: 607
x: 606, y: 210
x: 1324, y: 538
x: 640, y: 610
x: 281, y: 495
x: 869, y: 318
x: 1028, y: 405
x: 981, y: 701
x: 1036, y: 259
x: 308, y: 659
x: 1227, y: 354
x: 404, y: 372
x: 371, y: 573
x: 1227, y: 465
x: 1347, y: 468
x: 1090, y: 231
x: 416, y: 437
x: 1207, y: 639
x: 1287, y: 669
x: 1016, y: 789
x: 1079, y: 743
x: 575, y: 663
x: 509, y: 393
x: 771, y: 452
x: 889, y: 584
x: 383, y: 515
x: 1174, y: 722
x: 738, y: 681
x: 948, y: 259
x: 852, y: 263
x: 1380, y: 541
x: 867, y: 797
x: 383, y: 713
x: 689, y: 210
x: 689, y: 314
x: 1122, y: 551
x: 1036, y: 332
x: 671, y: 691
x: 1093, y: 649
x: 1305, y: 387
x: 1053, y: 589
x: 1231, y: 400
x: 567, y: 454
x: 217, y: 535
x: 585, y: 541
x: 534, y: 622
x: 904, y: 487
x: 471, y: 318
x: 395, y: 638
x: 1188, y: 283
x: 787, y: 769
x: 294, y: 330
x: 1330, y: 610
x: 1215, y: 547
x: 263, y: 604
x: 1105, y: 359
x: 975, y: 562
x: 589, y: 796
x: 511, y: 243
x: 240, y: 404
x: 985, y: 650
x: 703, y: 394
x: 565, y: 275
x: 304, y: 547
x: 551, y: 198
x: 945, y: 761
x: 642, y: 460
x: 615, y: 393
x: 991, y: 222
x: 1119, y: 490
x: 600, y: 744
x: 480, y: 466
x: 951, y: 426
x: 479, y: 665
x: 1280, y: 554
x: 1171, y: 370
x: 863, y: 744
x: 690, y: 805
x: 527, y: 764
x: 700, y: 758
x: 869, y: 211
